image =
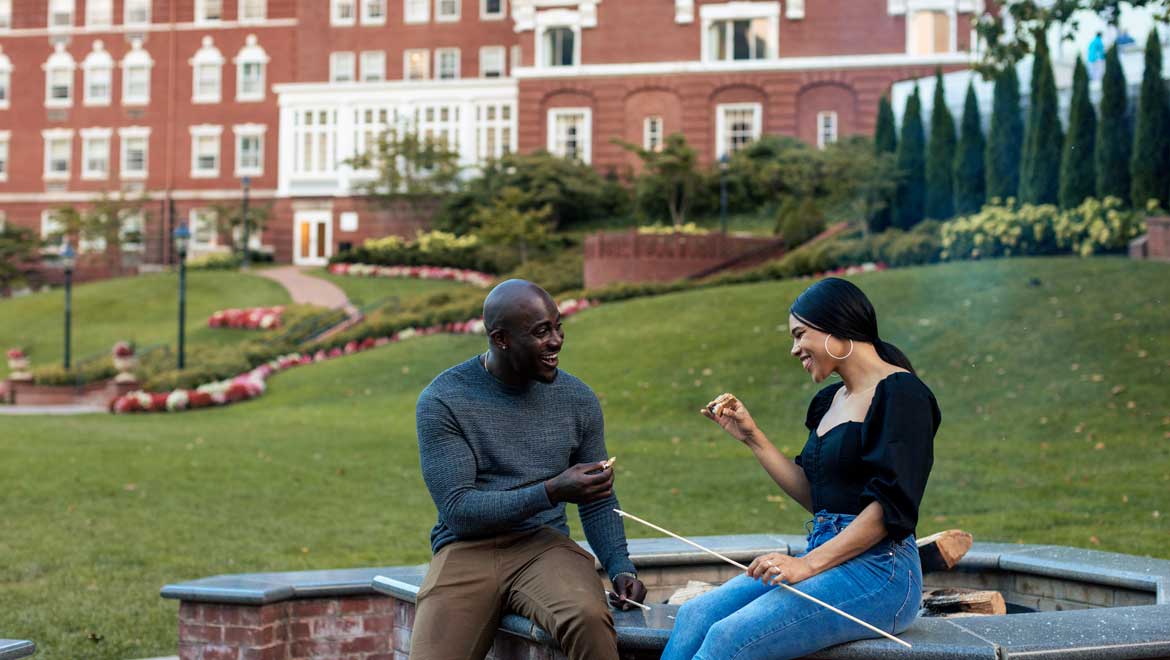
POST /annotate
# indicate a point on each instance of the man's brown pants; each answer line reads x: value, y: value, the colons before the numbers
x: 542, y: 575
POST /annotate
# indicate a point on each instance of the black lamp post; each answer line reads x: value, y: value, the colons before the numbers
x: 68, y: 260
x: 723, y: 193
x: 182, y: 238
x: 247, y: 182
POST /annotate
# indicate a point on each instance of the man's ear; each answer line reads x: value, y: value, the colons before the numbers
x: 499, y: 338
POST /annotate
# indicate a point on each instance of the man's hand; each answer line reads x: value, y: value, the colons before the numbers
x: 581, y: 484
x: 626, y: 588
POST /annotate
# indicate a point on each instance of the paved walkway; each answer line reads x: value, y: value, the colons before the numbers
x: 305, y: 288
x: 52, y: 410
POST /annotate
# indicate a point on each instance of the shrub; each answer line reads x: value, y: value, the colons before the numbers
x: 563, y: 273
x: 215, y: 261
x: 435, y: 248
x: 80, y: 374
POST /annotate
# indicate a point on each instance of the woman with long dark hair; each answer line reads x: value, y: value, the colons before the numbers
x: 861, y: 474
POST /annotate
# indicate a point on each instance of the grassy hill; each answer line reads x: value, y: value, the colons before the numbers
x: 1051, y: 375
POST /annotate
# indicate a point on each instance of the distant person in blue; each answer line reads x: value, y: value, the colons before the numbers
x: 862, y: 474
x: 1124, y: 40
x: 1096, y: 57
x: 505, y: 440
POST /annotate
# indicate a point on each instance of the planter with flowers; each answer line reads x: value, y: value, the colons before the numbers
x: 18, y: 365
x: 125, y: 361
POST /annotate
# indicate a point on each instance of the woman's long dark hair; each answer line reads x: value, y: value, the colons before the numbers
x: 838, y: 307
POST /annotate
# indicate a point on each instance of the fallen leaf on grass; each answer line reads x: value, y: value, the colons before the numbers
x: 1131, y: 404
x: 1094, y: 540
x: 1099, y: 446
x: 1117, y: 389
x: 1096, y: 378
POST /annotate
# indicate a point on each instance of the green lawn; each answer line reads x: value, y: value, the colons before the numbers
x: 363, y: 291
x: 143, y: 309
x: 101, y: 511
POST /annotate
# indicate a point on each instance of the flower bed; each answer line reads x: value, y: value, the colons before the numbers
x: 472, y: 277
x: 252, y: 318
x: 251, y: 384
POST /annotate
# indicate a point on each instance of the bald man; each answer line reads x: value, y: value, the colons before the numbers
x: 505, y: 440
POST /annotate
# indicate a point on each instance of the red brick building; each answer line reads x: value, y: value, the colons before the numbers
x: 174, y: 101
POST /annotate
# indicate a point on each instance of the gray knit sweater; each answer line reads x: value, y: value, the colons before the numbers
x: 487, y: 448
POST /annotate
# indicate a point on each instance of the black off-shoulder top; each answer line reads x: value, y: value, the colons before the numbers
x: 885, y: 458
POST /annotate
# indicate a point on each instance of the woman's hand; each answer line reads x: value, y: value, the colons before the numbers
x: 776, y: 567
x: 733, y: 416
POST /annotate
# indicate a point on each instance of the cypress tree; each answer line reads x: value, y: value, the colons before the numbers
x: 1077, y: 172
x: 1150, y: 165
x: 1005, y: 137
x: 1040, y: 180
x: 885, y: 140
x: 910, y: 198
x: 1113, y: 135
x: 969, y: 174
x: 940, y: 156
x: 1038, y: 60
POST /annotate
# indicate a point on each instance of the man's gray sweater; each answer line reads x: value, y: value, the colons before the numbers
x: 487, y: 448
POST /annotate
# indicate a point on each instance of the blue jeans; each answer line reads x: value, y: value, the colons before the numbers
x: 746, y: 619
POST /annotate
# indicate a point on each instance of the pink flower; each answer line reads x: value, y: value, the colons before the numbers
x: 320, y: 355
x: 351, y: 347
x: 381, y: 341
x: 123, y: 349
x: 15, y: 354
x: 335, y: 352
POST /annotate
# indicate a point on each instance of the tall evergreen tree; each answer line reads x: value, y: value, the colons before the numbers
x: 1150, y: 165
x: 1005, y: 137
x: 1039, y: 59
x: 940, y: 156
x: 910, y: 197
x: 1040, y: 179
x: 1114, y: 138
x: 885, y: 140
x: 969, y: 166
x: 1078, y: 178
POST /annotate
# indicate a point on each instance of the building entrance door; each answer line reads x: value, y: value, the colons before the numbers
x: 313, y: 240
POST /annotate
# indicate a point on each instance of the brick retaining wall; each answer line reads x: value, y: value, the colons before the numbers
x: 633, y: 257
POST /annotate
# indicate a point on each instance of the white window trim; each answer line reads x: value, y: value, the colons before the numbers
x: 367, y: 55
x: 208, y: 54
x: 72, y: 17
x: 6, y: 16
x: 48, y: 136
x: 795, y: 10
x: 89, y: 15
x: 440, y: 18
x: 485, y: 16
x: 708, y: 14
x: 248, y: 20
x: 338, y: 21
x: 6, y: 74
x: 136, y: 57
x: 439, y: 52
x: 140, y: 223
x: 50, y: 225
x: 251, y: 53
x: 587, y: 132
x: 192, y: 222
x: 646, y: 131
x: 503, y: 51
x: 206, y: 130
x: 416, y: 20
x: 97, y: 60
x: 406, y: 63
x: 201, y: 13
x: 821, y: 134
x: 249, y: 130
x: 5, y: 139
x: 365, y: 16
x: 126, y: 13
x: 552, y: 19
x: 334, y: 68
x: 721, y: 146
x: 60, y: 60
x: 914, y: 6
x: 124, y: 135
x: 100, y: 134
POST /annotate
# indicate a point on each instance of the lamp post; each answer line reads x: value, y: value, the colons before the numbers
x: 723, y: 193
x: 247, y: 182
x: 68, y: 260
x: 182, y: 238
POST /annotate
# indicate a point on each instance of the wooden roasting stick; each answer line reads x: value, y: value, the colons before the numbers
x: 744, y: 568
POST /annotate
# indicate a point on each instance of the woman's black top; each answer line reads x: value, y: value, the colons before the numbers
x: 886, y: 458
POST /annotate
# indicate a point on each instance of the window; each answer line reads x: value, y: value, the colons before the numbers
x: 652, y: 133
x: 133, y: 230
x: 95, y: 153
x: 374, y: 12
x: 250, y: 63
x: 560, y: 47
x: 447, y: 10
x: 4, y: 135
x: 136, y: 12
x: 136, y: 67
x: 417, y: 65
x: 495, y: 127
x: 341, y: 67
x: 5, y: 14
x: 249, y: 149
x: 59, y: 78
x: 447, y: 63
x: 315, y: 141
x: 135, y: 145
x: 52, y: 230
x: 570, y: 133
x: 99, y: 13
x: 99, y: 75
x: 739, y: 39
x: 203, y: 230
x: 491, y: 9
x: 60, y: 14
x: 930, y: 32
x: 373, y: 66
x: 795, y: 10
x: 737, y: 125
x: 342, y: 12
x: 416, y: 11
x: 58, y: 152
x: 491, y: 62
x: 207, y: 65
x: 208, y: 11
x: 253, y: 11
x: 5, y: 80
x: 826, y: 129
x: 205, y: 151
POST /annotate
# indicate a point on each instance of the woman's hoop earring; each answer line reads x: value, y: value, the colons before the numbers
x: 836, y: 357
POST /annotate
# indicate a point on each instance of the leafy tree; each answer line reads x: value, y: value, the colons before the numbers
x: 910, y: 198
x: 1040, y: 174
x: 1150, y: 165
x: 103, y: 225
x: 1077, y: 176
x: 229, y: 222
x: 503, y: 223
x: 968, y: 165
x: 19, y: 254
x: 673, y: 167
x: 885, y: 141
x: 1114, y: 138
x: 940, y: 156
x: 1005, y: 138
x: 408, y: 166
